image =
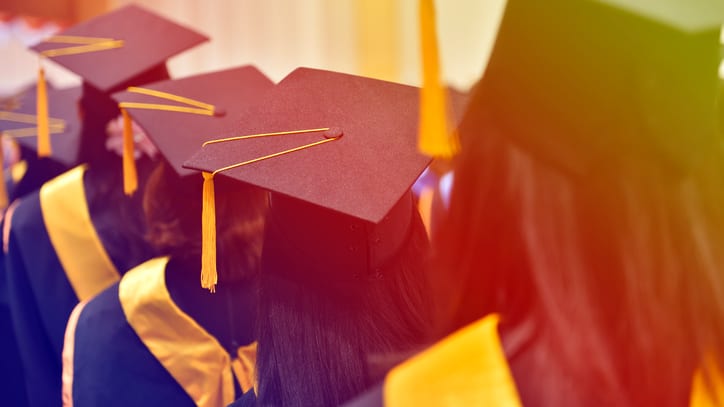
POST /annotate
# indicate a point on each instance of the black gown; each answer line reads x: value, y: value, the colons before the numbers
x: 160, y: 334
x: 66, y: 243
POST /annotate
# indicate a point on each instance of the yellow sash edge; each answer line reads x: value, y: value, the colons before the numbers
x: 68, y: 354
x: 67, y: 220
x: 701, y: 395
x: 18, y: 170
x: 424, y: 206
x: 192, y: 356
x: 468, y: 368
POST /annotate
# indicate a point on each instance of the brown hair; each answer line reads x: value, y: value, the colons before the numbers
x: 172, y: 205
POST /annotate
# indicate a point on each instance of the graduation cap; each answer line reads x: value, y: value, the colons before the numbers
x: 339, y: 154
x: 180, y: 115
x: 19, y: 121
x: 111, y: 50
x: 580, y: 83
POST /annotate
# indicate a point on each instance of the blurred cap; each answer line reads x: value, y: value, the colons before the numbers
x: 178, y: 135
x: 581, y: 82
x: 340, y: 192
x: 17, y: 120
x: 148, y: 40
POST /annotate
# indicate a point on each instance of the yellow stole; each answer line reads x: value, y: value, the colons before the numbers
x: 701, y: 395
x: 67, y: 220
x: 18, y: 170
x: 468, y: 368
x: 188, y: 352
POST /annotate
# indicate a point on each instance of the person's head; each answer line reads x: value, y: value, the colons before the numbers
x: 173, y: 220
x: 172, y: 204
x: 588, y: 198
x: 97, y: 108
x: 342, y: 262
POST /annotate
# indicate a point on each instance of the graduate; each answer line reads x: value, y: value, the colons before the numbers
x: 18, y: 127
x: 344, y: 246
x: 158, y: 337
x: 581, y: 256
x: 73, y: 237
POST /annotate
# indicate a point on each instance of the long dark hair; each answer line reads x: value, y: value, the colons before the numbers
x: 612, y: 280
x: 316, y: 337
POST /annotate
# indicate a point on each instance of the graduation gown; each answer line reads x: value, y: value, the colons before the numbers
x: 12, y: 385
x: 30, y: 174
x: 60, y: 249
x: 468, y: 368
x: 157, y: 338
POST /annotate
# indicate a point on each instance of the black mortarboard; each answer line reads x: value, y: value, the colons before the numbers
x: 148, y: 40
x: 340, y: 197
x: 178, y: 135
x: 64, y: 122
x: 580, y: 83
x: 126, y: 46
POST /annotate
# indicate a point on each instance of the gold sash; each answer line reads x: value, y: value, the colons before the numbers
x: 67, y: 220
x: 468, y: 368
x: 188, y: 352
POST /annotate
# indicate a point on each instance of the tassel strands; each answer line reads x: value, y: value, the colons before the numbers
x: 44, y: 149
x: 435, y: 138
x: 130, y: 176
x: 209, y: 275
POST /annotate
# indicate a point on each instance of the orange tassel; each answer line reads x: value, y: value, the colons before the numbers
x: 209, y: 276
x: 434, y: 138
x: 44, y: 149
x: 130, y: 178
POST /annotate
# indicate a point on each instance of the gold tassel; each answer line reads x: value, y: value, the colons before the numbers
x: 434, y: 139
x: 3, y: 188
x: 44, y: 149
x: 209, y: 277
x: 130, y: 178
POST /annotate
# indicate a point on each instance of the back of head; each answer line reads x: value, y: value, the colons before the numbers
x: 97, y: 108
x: 344, y: 247
x: 174, y: 221
x: 320, y: 329
x: 587, y: 202
x: 123, y: 230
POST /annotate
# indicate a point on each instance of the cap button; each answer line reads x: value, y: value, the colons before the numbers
x: 219, y: 111
x: 333, y: 132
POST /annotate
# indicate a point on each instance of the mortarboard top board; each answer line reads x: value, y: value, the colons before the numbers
x: 348, y: 195
x: 178, y: 135
x: 64, y: 122
x: 148, y: 41
x: 580, y: 82
x: 374, y: 160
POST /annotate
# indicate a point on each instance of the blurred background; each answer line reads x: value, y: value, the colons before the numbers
x: 376, y: 38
